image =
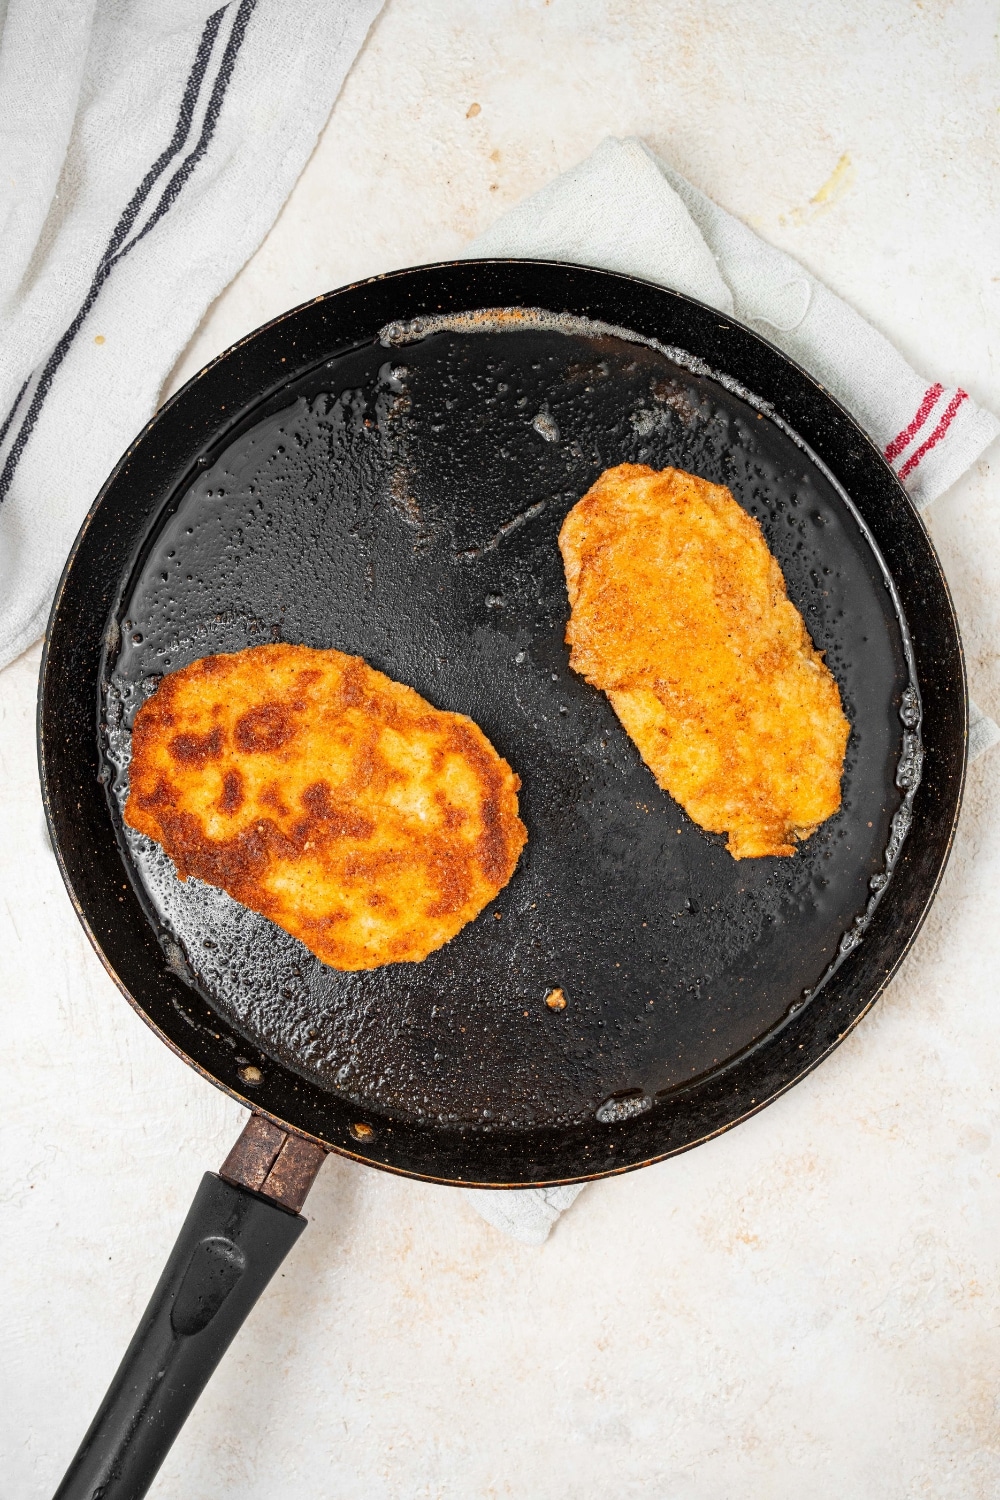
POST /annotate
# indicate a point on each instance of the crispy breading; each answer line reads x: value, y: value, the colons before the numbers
x: 321, y: 793
x: 680, y: 614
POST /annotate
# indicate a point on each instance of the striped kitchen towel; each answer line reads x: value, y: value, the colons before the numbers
x: 147, y: 149
x: 625, y: 210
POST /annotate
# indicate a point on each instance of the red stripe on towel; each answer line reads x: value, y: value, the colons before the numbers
x: 903, y: 439
x: 936, y: 435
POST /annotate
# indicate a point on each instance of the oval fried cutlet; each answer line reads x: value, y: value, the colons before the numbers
x: 680, y: 614
x: 317, y: 791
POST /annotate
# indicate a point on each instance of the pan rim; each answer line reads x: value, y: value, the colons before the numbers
x: 617, y: 1135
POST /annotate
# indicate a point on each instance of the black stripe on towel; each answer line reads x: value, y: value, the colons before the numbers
x: 192, y: 90
x: 10, y: 415
x: 119, y: 245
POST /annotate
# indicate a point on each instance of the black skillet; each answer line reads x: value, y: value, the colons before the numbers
x: 342, y: 479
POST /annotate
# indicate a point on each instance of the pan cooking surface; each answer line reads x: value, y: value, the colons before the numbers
x: 402, y: 502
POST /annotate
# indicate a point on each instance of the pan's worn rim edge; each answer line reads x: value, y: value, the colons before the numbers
x: 956, y: 793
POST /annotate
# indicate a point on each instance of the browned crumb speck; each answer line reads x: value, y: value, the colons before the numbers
x: 680, y: 614
x: 333, y: 800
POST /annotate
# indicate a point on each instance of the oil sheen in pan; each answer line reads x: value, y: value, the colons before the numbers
x: 403, y: 503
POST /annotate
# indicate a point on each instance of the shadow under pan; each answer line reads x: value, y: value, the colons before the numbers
x: 402, y: 501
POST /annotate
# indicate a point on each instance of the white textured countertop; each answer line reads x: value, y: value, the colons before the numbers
x: 807, y: 1306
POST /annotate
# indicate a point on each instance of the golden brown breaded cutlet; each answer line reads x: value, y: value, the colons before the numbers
x: 680, y: 614
x: 333, y: 800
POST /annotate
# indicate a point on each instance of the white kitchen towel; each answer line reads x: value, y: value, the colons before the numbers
x: 526, y: 1214
x: 624, y: 210
x: 146, y: 149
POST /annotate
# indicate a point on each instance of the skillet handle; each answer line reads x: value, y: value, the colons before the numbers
x: 232, y: 1242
